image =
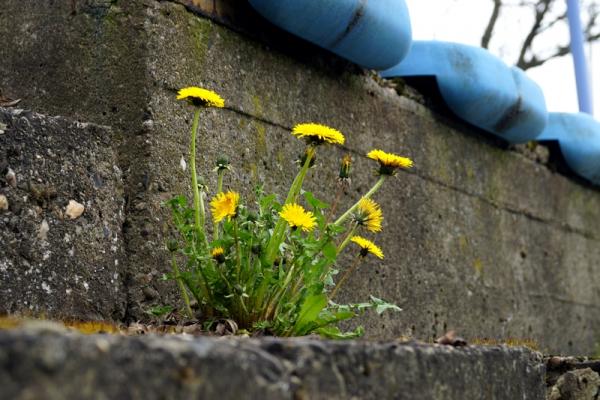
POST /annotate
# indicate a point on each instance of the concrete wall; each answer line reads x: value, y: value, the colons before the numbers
x: 477, y: 238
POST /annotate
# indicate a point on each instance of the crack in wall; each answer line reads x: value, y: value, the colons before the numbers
x: 198, y: 10
x: 502, y: 206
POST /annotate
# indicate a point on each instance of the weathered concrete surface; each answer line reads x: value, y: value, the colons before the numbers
x: 50, y: 263
x: 579, y: 384
x: 476, y: 238
x: 54, y: 365
x: 572, y: 378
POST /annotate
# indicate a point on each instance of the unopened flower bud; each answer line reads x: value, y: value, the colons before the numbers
x: 345, y: 167
x: 172, y: 245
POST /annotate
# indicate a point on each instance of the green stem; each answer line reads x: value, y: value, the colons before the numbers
x: 297, y: 184
x: 219, y: 190
x: 203, y: 218
x: 343, y: 245
x: 370, y: 193
x: 200, y: 297
x: 279, y: 230
x: 238, y: 251
x: 184, y: 294
x: 347, y: 273
x: 198, y: 201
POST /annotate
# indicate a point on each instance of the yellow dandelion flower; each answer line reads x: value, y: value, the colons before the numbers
x: 297, y: 217
x: 218, y: 254
x: 200, y: 97
x: 388, y: 162
x: 217, y: 251
x: 318, y: 134
x: 367, y: 247
x: 369, y: 214
x: 224, y: 205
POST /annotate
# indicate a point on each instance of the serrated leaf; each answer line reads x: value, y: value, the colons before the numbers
x: 333, y: 332
x: 382, y: 305
x: 159, y: 311
x: 330, y: 251
x: 314, y: 202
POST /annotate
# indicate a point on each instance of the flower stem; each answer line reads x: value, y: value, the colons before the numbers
x: 297, y: 184
x: 279, y: 230
x: 184, y: 294
x: 238, y: 251
x: 343, y: 245
x: 370, y: 193
x: 345, y: 276
x: 219, y: 190
x: 198, y: 201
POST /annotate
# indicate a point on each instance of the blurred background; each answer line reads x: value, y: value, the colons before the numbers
x: 531, y: 34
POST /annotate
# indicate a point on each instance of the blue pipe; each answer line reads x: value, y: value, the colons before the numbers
x: 374, y: 34
x: 479, y: 88
x: 578, y: 135
x: 582, y: 77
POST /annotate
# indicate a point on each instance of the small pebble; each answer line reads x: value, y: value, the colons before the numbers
x: 43, y: 231
x: 11, y: 178
x: 150, y: 293
x: 74, y: 209
x: 3, y: 202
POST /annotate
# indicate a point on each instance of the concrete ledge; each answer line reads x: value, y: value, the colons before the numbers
x: 55, y: 365
x: 53, y: 261
x: 477, y: 238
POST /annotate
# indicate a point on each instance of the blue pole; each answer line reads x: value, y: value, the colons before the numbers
x: 582, y: 77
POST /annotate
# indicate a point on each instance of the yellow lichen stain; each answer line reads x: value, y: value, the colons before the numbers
x: 93, y: 327
x: 10, y: 322
x: 510, y: 342
x: 258, y: 108
x: 280, y: 157
x: 84, y: 327
x: 463, y: 243
x: 253, y: 169
x: 243, y: 123
x: 470, y: 172
x: 261, y: 139
x: 478, y: 266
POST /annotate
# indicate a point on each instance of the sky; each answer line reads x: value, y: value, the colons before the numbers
x: 464, y: 21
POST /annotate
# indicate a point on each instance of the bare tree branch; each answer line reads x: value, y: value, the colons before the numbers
x: 487, y: 35
x: 534, y: 60
x: 541, y: 9
x: 544, y: 20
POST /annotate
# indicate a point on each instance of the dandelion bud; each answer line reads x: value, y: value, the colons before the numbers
x: 172, y: 245
x: 222, y: 163
x: 202, y: 184
x: 345, y: 167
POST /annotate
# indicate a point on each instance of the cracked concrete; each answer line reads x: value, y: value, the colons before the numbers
x: 476, y: 238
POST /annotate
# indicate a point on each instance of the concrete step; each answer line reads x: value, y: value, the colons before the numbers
x: 47, y: 363
x: 477, y: 238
